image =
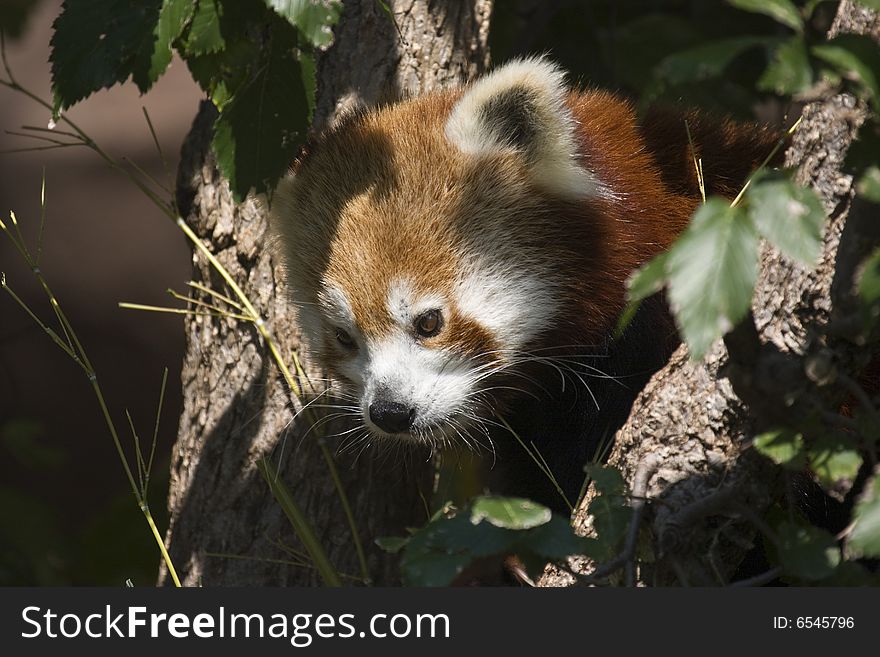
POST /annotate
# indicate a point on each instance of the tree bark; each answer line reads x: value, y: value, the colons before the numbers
x: 686, y: 445
x: 225, y: 526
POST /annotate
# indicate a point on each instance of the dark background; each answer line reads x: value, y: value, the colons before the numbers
x: 66, y: 513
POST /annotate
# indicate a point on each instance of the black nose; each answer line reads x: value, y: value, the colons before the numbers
x: 391, y: 416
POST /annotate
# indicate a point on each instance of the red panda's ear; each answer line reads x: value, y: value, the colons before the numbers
x: 521, y: 106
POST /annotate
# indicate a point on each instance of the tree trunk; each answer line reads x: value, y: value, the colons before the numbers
x: 685, y: 447
x: 226, y: 527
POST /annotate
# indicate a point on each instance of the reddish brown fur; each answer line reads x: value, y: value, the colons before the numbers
x: 408, y: 200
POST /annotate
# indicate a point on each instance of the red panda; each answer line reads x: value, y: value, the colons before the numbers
x: 461, y: 256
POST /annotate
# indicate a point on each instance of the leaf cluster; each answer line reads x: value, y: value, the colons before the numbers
x: 709, y: 275
x: 253, y: 58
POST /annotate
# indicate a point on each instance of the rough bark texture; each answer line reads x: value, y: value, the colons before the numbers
x: 688, y: 433
x: 235, y: 407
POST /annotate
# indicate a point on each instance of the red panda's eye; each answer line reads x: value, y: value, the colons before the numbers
x: 345, y: 339
x: 429, y: 324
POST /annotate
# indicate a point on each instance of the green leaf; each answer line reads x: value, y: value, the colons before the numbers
x: 782, y: 446
x: 392, y: 544
x: 606, y: 479
x: 642, y: 283
x: 869, y: 284
x: 856, y: 57
x: 789, y: 72
x: 834, y: 461
x: 865, y: 536
x: 440, y: 551
x: 314, y: 19
x: 782, y: 11
x: 807, y: 552
x: 98, y: 43
x: 553, y: 541
x: 259, y: 131
x: 509, y: 512
x: 173, y: 17
x: 648, y: 279
x: 706, y: 60
x: 788, y: 216
x: 712, y: 270
x: 222, y: 74
x: 611, y: 519
x: 868, y: 186
x: 871, y: 4
x: 205, y: 33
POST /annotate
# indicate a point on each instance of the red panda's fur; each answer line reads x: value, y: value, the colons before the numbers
x: 564, y: 192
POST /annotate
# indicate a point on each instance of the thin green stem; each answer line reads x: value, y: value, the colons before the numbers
x: 539, y: 461
x: 204, y: 304
x: 249, y: 311
x: 155, y: 432
x: 146, y: 174
x: 779, y: 144
x: 300, y: 524
x: 138, y: 457
x: 181, y: 311
x: 42, y: 216
x: 215, y: 294
x: 165, y: 555
x: 52, y: 334
x: 75, y: 350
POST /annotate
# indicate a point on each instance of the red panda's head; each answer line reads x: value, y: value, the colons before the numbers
x: 430, y: 247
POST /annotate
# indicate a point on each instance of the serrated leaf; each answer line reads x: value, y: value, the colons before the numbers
x: 313, y: 18
x: 173, y: 17
x: 259, y: 131
x: 712, y: 269
x: 205, y: 34
x: 222, y: 74
x: 856, y: 57
x: 782, y: 11
x: 783, y: 447
x: 99, y: 43
x: 706, y: 60
x: 807, y: 552
x: 788, y: 216
x: 509, y: 512
x: 647, y: 280
x: 865, y: 536
x: 868, y: 186
x: 789, y: 72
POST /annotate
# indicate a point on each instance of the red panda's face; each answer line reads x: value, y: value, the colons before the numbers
x: 415, y: 239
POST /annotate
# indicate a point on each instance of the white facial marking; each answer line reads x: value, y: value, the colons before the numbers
x: 430, y: 381
x: 514, y: 305
x: 405, y: 306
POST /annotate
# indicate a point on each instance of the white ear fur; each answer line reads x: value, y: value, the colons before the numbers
x: 521, y: 106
